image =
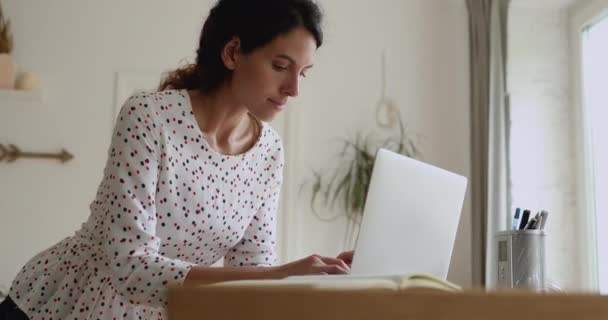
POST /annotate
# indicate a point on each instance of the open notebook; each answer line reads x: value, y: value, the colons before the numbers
x: 396, y: 282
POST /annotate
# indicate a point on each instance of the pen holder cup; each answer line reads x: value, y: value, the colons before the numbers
x: 521, y: 259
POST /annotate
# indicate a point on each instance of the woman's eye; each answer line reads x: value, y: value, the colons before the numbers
x: 279, y: 67
x: 303, y: 75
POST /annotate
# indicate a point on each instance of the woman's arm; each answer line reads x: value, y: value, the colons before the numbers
x: 208, y: 275
x: 125, y: 210
x: 311, y: 265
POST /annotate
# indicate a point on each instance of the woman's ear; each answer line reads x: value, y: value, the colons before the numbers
x: 230, y: 53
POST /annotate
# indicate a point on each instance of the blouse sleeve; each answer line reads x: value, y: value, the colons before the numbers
x: 138, y: 272
x: 257, y: 247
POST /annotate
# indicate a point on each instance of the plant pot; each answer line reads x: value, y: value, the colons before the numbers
x: 7, y: 71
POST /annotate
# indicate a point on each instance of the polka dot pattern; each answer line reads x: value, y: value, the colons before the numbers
x: 167, y: 202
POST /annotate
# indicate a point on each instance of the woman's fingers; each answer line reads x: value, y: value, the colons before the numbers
x: 316, y: 264
x: 347, y: 257
x: 331, y: 269
x: 335, y: 261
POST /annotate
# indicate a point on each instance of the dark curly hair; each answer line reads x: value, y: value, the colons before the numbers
x: 255, y: 23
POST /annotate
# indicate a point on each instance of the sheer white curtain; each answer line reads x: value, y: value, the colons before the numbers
x: 490, y: 181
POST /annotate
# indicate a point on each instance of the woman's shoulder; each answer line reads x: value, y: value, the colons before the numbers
x: 270, y: 136
x: 156, y: 101
x: 271, y: 142
x: 154, y: 105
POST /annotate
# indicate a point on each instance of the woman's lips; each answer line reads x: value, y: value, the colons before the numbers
x: 278, y: 104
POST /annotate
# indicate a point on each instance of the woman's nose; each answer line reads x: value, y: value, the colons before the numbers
x: 291, y: 87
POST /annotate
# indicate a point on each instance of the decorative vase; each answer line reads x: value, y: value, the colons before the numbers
x: 27, y: 81
x: 7, y: 71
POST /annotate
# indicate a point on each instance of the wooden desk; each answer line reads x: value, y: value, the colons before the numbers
x: 305, y: 304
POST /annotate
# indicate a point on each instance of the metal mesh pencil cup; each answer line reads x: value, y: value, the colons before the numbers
x: 521, y: 259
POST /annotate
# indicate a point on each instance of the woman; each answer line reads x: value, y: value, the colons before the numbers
x: 193, y: 176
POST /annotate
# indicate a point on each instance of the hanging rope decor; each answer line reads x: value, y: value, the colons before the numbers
x: 387, y: 112
x: 12, y: 153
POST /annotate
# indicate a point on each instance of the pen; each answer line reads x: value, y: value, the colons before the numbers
x: 539, y: 222
x: 544, y: 215
x: 524, y: 219
x: 516, y: 219
x: 533, y: 223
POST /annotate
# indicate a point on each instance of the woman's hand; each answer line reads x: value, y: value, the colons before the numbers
x: 314, y: 265
x: 347, y: 257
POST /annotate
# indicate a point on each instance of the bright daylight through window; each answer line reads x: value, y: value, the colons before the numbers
x: 595, y: 104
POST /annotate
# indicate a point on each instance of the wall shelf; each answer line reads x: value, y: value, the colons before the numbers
x: 20, y: 96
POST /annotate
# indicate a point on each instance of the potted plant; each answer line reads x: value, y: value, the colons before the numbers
x: 7, y: 65
x: 348, y: 183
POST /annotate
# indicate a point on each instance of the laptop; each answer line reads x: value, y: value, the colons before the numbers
x: 410, y: 218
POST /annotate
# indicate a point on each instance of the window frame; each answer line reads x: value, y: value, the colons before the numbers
x: 582, y: 17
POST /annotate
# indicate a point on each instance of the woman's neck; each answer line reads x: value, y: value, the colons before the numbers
x: 227, y: 126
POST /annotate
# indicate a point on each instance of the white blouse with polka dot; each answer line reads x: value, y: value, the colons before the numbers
x: 167, y: 202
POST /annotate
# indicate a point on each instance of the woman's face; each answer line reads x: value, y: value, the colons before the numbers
x: 266, y: 78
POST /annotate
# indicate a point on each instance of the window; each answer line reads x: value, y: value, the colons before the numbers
x: 595, y: 108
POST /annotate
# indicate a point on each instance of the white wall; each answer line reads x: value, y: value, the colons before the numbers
x: 77, y: 46
x: 542, y: 145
